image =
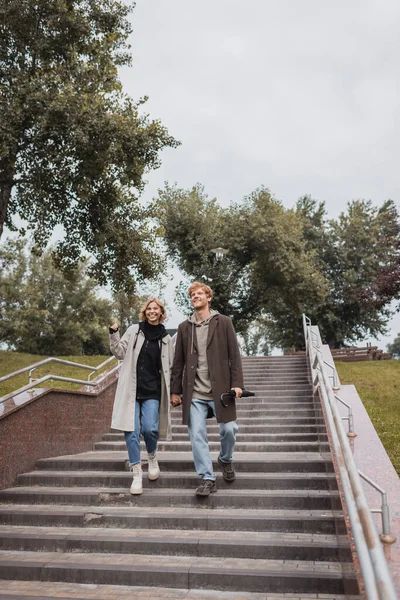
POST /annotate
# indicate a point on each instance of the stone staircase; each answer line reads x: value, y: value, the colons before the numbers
x: 277, y: 530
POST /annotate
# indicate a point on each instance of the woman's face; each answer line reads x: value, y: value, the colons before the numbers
x: 153, y: 313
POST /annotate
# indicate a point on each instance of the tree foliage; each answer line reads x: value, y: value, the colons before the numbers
x: 343, y: 273
x: 255, y: 339
x: 42, y: 312
x: 267, y: 266
x: 359, y: 256
x: 126, y: 309
x: 394, y: 347
x: 73, y: 147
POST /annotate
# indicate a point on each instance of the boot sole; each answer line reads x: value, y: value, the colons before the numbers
x: 152, y: 478
x: 228, y: 479
x: 136, y: 492
x: 204, y: 495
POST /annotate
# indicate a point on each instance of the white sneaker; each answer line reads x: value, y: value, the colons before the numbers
x: 136, y: 487
x: 153, y: 469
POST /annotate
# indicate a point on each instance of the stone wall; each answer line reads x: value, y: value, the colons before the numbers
x: 54, y: 423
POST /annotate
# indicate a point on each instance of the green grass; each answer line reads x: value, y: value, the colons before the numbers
x: 13, y: 361
x: 378, y: 385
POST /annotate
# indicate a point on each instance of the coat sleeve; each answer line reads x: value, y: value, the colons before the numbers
x: 178, y: 365
x: 118, y: 346
x: 234, y: 357
x: 171, y: 351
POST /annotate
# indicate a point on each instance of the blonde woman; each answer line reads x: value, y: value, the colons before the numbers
x: 141, y: 404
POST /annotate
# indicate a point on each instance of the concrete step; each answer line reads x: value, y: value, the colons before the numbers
x: 269, y: 382
x: 278, y: 358
x: 271, y: 420
x: 301, y: 376
x: 213, y: 436
x: 275, y: 369
x: 44, y: 590
x: 215, y: 446
x: 268, y: 411
x: 275, y: 365
x: 278, y: 400
x: 231, y: 498
x: 179, y: 461
x: 282, y: 403
x: 265, y: 391
x: 273, y: 400
x: 287, y: 387
x: 247, y: 519
x: 254, y: 429
x: 256, y: 575
x: 221, y: 544
x: 183, y: 480
x: 300, y: 373
x: 277, y: 408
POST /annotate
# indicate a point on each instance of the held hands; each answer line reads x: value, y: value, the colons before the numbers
x: 176, y: 400
x: 238, y: 392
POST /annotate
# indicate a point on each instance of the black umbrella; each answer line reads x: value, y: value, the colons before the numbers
x: 232, y: 394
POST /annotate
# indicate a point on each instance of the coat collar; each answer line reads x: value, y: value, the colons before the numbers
x: 211, y: 328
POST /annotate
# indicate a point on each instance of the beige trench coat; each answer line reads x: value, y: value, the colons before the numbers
x: 123, y: 416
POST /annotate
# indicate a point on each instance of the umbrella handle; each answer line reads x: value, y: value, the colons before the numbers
x: 230, y: 394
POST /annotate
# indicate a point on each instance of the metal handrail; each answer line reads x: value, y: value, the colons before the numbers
x: 386, y: 535
x: 36, y: 382
x: 373, y: 565
x: 62, y: 361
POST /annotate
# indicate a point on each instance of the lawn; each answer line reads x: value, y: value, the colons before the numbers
x: 13, y: 361
x: 378, y: 385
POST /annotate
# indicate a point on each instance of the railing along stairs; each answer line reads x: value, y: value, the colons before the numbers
x: 35, y: 383
x: 374, y: 569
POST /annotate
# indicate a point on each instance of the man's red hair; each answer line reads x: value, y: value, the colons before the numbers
x: 206, y: 289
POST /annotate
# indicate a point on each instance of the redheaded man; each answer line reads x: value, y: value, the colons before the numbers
x: 207, y: 364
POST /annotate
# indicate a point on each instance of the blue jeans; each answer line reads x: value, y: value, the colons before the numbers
x: 146, y: 423
x: 198, y: 436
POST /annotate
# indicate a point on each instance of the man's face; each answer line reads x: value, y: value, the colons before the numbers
x: 199, y: 299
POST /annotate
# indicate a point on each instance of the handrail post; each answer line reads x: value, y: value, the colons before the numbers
x: 386, y: 536
x: 351, y: 432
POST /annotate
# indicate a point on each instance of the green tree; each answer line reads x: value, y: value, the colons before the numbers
x: 42, y: 312
x: 267, y: 263
x: 255, y: 339
x: 394, y: 347
x: 358, y: 254
x: 73, y: 147
x: 126, y: 309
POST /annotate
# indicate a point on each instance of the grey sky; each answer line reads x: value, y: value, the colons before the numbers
x: 299, y: 95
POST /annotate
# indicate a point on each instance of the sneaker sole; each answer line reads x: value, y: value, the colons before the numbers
x: 136, y: 492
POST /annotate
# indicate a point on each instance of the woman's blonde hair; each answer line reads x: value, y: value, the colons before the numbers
x: 142, y: 315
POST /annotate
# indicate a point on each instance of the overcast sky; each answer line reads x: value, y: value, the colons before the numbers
x: 301, y: 96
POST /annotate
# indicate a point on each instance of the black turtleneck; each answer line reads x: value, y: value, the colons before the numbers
x: 148, y: 370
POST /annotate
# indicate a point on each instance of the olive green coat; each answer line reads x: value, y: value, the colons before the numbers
x: 224, y: 365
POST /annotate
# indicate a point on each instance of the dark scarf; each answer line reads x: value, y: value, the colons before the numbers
x: 148, y: 370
